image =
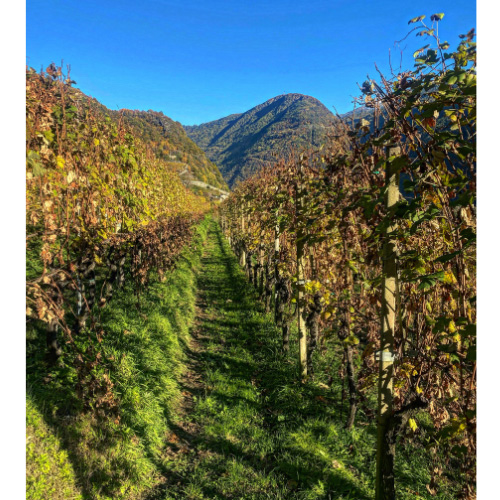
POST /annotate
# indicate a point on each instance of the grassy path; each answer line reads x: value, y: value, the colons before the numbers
x: 209, y: 406
x: 247, y: 430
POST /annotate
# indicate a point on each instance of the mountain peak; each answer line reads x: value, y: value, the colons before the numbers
x: 293, y: 97
x: 240, y: 144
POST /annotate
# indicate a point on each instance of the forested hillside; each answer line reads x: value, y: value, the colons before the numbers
x: 169, y: 141
x: 241, y: 144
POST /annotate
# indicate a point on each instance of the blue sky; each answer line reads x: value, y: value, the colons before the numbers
x: 201, y: 60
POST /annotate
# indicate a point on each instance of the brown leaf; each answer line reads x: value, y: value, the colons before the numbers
x: 432, y: 491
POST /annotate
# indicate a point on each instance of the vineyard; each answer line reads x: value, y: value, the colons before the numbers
x: 312, y: 336
x: 107, y: 221
x: 369, y: 244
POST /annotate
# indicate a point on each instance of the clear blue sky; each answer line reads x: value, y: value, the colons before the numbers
x: 201, y: 60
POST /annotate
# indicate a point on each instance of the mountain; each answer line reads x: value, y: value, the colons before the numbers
x: 361, y: 113
x: 170, y: 143
x: 240, y: 144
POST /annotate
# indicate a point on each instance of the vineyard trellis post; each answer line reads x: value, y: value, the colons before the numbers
x: 279, y: 288
x: 348, y: 347
x: 300, y: 238
x: 384, y: 488
x: 242, y: 244
x: 276, y: 266
x: 261, y: 286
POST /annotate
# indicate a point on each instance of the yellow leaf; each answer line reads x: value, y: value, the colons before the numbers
x: 413, y: 425
x: 60, y: 162
x: 96, y: 142
x: 419, y: 390
x: 449, y: 278
x: 351, y: 340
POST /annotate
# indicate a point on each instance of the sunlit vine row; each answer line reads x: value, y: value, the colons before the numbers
x: 333, y: 202
x: 101, y: 209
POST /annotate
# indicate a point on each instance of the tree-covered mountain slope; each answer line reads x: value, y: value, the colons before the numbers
x: 241, y: 144
x: 171, y: 143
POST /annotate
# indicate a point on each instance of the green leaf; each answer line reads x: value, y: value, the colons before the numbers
x: 397, y: 163
x: 447, y: 257
x: 49, y: 136
x: 469, y: 235
x: 429, y: 214
x: 448, y: 348
x: 471, y: 353
x: 469, y: 331
x: 429, y: 280
x: 351, y: 340
x: 34, y: 161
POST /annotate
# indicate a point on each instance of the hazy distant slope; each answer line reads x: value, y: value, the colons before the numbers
x: 361, y: 113
x: 240, y: 144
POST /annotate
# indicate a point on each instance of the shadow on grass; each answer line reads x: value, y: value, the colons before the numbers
x: 108, y: 459
x: 253, y: 430
x: 240, y: 346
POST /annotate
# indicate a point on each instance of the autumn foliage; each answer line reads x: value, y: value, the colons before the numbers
x: 429, y: 113
x: 101, y: 209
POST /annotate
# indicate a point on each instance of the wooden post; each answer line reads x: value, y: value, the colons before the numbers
x: 280, y: 292
x: 384, y: 488
x: 277, y: 281
x: 348, y: 350
x: 243, y: 253
x: 301, y: 320
x: 261, y: 271
x: 276, y: 268
x: 249, y: 256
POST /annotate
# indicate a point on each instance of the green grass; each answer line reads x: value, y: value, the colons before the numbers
x: 49, y: 472
x: 103, y: 459
x: 260, y: 434
x: 251, y: 432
